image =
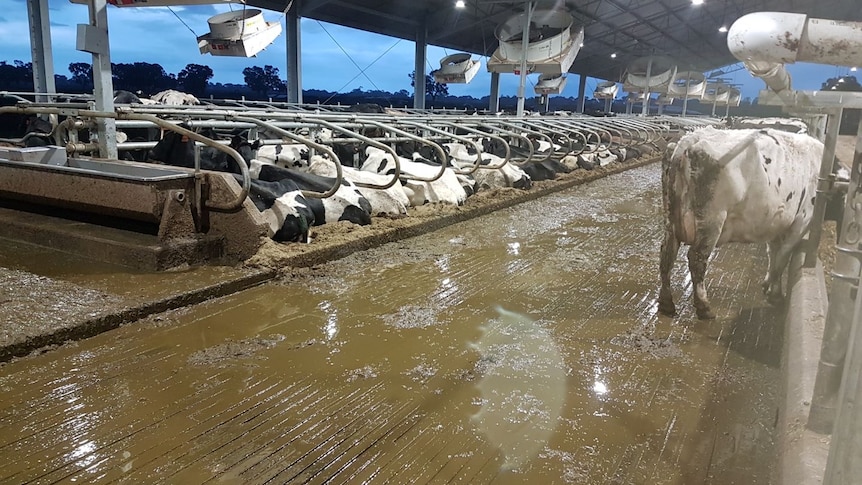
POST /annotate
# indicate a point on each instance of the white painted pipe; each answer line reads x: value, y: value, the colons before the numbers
x: 765, y: 41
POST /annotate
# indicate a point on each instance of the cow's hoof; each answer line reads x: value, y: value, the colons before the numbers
x: 667, y: 308
x: 775, y: 299
x: 705, y: 314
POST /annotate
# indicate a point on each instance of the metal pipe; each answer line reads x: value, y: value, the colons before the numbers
x: 836, y: 331
x: 765, y: 41
x: 525, y: 42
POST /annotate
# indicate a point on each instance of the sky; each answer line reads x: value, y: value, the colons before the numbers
x: 330, y: 53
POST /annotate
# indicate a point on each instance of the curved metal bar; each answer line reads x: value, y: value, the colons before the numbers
x: 309, y: 143
x: 437, y: 147
x: 479, y: 150
x: 229, y: 206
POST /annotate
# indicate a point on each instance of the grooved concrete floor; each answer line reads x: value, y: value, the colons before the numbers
x: 519, y: 347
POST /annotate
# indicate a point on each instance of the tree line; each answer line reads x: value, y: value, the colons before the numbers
x: 265, y: 83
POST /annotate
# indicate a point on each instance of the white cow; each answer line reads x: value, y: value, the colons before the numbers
x: 391, y: 201
x: 509, y: 175
x: 446, y: 189
x: 722, y: 186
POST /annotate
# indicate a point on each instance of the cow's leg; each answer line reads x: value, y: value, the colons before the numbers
x: 698, y: 257
x: 669, y: 250
x: 779, y: 251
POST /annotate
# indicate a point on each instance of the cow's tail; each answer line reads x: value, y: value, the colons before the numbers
x: 678, y: 196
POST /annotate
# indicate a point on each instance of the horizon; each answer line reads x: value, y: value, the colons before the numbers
x: 332, y: 56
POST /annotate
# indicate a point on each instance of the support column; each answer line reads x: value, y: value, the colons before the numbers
x: 294, y: 54
x: 841, y: 306
x: 525, y: 41
x: 494, y: 99
x: 843, y: 465
x: 645, y: 106
x: 40, y: 48
x: 582, y: 92
x: 546, y: 103
x: 419, y: 80
x: 93, y: 38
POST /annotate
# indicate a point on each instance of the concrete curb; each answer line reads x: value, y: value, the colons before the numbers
x: 802, y: 453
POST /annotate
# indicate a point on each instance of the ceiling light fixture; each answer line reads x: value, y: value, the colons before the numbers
x: 459, y: 4
x: 614, y: 55
x: 723, y: 28
x: 697, y: 2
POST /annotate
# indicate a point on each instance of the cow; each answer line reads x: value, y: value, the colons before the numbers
x: 447, y: 188
x: 287, y: 212
x: 508, y: 175
x: 392, y: 201
x: 346, y: 204
x: 722, y: 186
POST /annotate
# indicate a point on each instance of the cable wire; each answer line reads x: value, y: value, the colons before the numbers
x: 361, y: 71
x: 182, y: 21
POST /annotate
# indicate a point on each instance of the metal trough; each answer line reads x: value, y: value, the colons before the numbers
x: 112, y: 188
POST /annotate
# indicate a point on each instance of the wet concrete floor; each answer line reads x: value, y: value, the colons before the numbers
x: 518, y: 347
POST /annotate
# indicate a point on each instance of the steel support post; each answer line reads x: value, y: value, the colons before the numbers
x: 40, y: 49
x: 844, y: 466
x: 420, y: 56
x: 494, y: 99
x: 294, y: 53
x: 525, y: 42
x: 94, y: 39
x: 645, y: 104
x: 845, y: 282
x: 582, y: 92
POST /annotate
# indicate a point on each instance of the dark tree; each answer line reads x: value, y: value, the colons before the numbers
x: 82, y: 74
x: 142, y: 76
x: 433, y: 89
x: 17, y: 76
x: 194, y: 78
x: 843, y: 83
x: 263, y: 80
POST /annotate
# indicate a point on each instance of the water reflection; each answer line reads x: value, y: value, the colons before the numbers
x: 330, y: 326
x: 522, y: 386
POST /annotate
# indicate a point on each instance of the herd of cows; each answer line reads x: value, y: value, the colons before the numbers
x: 751, y: 181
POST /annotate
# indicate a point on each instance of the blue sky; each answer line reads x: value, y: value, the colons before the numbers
x: 156, y: 35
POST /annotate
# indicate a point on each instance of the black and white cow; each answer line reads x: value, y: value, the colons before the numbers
x: 508, y: 175
x: 722, y: 186
x: 447, y: 188
x: 346, y: 204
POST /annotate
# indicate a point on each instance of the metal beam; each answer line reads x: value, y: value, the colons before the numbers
x: 419, y: 76
x: 40, y: 48
x: 494, y: 99
x: 294, y: 53
x: 93, y: 38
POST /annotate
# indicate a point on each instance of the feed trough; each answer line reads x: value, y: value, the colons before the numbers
x: 456, y: 68
x: 554, y: 43
x: 550, y: 84
x: 242, y: 33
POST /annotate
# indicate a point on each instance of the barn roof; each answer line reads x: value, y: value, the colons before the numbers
x: 678, y: 29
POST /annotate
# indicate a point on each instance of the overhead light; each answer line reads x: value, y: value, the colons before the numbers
x: 697, y: 2
x: 614, y: 55
x: 459, y: 4
x: 723, y: 28
x: 582, y: 44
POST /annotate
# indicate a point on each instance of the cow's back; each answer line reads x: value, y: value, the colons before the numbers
x: 752, y: 184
